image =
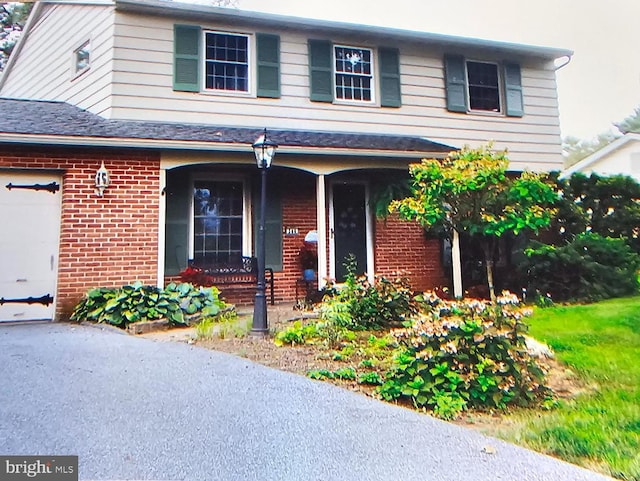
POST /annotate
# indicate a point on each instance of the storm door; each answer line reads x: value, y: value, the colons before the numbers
x: 349, y: 228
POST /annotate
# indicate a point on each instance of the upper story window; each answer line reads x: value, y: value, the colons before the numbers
x: 484, y: 86
x: 82, y: 57
x: 226, y: 62
x: 474, y: 86
x: 353, y: 73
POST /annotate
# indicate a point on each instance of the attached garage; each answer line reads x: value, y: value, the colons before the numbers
x: 30, y: 204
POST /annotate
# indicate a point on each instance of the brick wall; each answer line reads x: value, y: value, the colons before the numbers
x: 402, y: 247
x: 106, y: 241
x: 298, y: 211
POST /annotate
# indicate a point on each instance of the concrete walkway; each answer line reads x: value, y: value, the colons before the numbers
x: 135, y: 409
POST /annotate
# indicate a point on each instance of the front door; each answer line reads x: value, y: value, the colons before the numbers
x: 30, y: 220
x: 349, y: 228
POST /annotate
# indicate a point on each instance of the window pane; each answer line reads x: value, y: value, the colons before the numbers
x: 484, y: 90
x: 218, y: 221
x: 82, y: 57
x: 353, y: 73
x: 226, y: 63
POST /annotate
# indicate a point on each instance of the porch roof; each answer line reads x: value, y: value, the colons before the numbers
x: 53, y: 122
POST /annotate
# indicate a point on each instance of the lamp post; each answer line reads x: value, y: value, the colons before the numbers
x: 264, y: 149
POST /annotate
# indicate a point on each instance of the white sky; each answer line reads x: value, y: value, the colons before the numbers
x: 601, y: 85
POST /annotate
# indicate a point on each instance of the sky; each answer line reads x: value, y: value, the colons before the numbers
x: 600, y: 85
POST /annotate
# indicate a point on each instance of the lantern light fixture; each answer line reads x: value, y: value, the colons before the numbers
x: 101, y: 180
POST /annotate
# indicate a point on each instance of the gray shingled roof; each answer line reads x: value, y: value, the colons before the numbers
x: 52, y: 118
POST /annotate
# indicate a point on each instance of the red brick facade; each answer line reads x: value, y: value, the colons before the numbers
x: 113, y: 240
x: 104, y: 241
x: 401, y: 247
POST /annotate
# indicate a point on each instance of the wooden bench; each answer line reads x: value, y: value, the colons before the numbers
x: 242, y: 272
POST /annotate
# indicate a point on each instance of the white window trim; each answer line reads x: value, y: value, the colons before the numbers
x: 501, y: 98
x: 374, y: 76
x: 75, y: 73
x: 246, y: 209
x: 251, y: 70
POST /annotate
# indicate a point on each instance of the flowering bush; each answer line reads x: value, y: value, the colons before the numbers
x: 465, y: 353
x: 360, y: 305
x: 196, y: 276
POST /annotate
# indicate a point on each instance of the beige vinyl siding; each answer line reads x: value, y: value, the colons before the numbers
x: 142, y: 90
x: 49, y: 51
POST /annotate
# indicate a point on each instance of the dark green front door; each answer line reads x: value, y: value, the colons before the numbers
x: 350, y: 227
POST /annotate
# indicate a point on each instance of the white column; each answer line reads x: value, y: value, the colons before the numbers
x: 321, y: 215
x: 457, y: 265
x: 162, y: 214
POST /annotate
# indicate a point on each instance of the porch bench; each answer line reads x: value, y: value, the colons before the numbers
x: 242, y: 272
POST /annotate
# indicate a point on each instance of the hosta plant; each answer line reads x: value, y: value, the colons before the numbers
x: 138, y: 302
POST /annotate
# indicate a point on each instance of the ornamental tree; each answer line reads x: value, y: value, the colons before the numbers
x: 471, y: 192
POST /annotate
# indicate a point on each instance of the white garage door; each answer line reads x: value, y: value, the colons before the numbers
x: 29, y: 236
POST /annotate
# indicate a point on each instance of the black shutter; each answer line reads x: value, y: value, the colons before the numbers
x: 178, y: 201
x: 390, y: 94
x: 320, y: 71
x: 456, y: 83
x: 186, y: 58
x: 272, y: 226
x: 268, y: 53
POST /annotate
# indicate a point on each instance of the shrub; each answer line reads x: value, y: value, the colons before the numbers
x: 359, y: 305
x: 137, y: 302
x: 590, y: 267
x: 196, y: 276
x: 460, y: 353
x: 315, y: 332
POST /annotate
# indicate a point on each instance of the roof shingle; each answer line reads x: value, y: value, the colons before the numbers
x: 54, y: 118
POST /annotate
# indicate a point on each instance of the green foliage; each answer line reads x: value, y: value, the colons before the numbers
x: 298, y: 333
x: 590, y: 267
x: 385, y: 192
x: 359, y: 305
x: 609, y: 206
x: 370, y: 377
x: 320, y: 374
x: 313, y: 333
x: 599, y: 427
x: 471, y: 193
x: 137, y: 302
x: 344, y: 374
x: 222, y: 325
x: 205, y: 328
x: 448, y: 405
x: 13, y: 17
x: 465, y: 353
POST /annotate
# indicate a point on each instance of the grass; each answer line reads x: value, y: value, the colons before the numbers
x: 599, y: 429
x: 223, y: 326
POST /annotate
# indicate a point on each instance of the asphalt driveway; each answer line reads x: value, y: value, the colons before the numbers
x: 135, y: 409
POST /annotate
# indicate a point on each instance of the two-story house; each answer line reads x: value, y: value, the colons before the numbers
x: 169, y: 97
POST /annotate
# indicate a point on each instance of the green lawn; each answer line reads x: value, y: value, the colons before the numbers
x: 601, y: 428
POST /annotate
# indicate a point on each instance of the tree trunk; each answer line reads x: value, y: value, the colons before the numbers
x: 487, y: 248
x: 492, y: 292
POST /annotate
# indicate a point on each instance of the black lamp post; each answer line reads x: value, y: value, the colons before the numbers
x: 264, y: 150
